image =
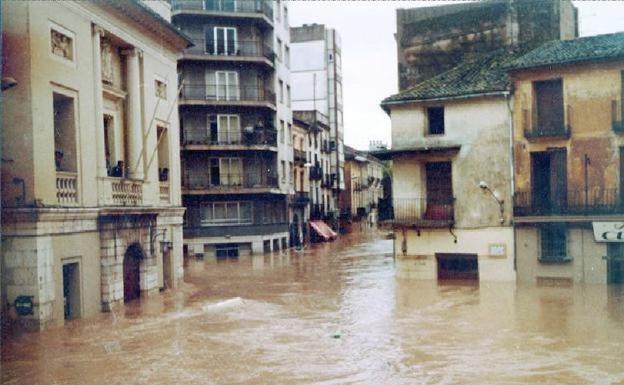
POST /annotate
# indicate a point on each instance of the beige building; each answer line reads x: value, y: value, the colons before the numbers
x: 91, y: 213
x: 451, y: 169
x: 300, y: 202
x: 360, y: 199
x: 569, y: 161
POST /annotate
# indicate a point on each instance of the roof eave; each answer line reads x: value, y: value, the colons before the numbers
x: 387, y: 104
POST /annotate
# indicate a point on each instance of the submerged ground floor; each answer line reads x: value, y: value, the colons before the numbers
x: 339, y: 312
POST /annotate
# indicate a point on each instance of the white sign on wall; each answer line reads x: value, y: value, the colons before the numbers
x: 608, y: 231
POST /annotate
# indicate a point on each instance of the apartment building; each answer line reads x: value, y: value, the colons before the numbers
x: 317, y: 86
x: 91, y: 214
x: 363, y: 173
x: 569, y: 161
x: 300, y: 202
x: 236, y: 126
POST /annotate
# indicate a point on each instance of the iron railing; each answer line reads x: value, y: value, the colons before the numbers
x: 593, y: 201
x: 253, y: 48
x: 423, y: 211
x: 548, y: 132
x: 264, y: 7
x: 217, y: 92
x: 234, y: 137
x: 301, y: 198
x: 229, y: 181
x: 299, y: 156
x: 316, y: 172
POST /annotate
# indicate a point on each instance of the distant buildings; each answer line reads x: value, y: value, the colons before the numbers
x: 360, y: 198
x: 235, y: 112
x: 91, y: 211
x: 317, y: 86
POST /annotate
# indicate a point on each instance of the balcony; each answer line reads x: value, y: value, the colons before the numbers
x: 67, y: 188
x: 325, y: 146
x: 423, y: 212
x: 548, y: 132
x: 231, y: 183
x: 261, y: 9
x: 301, y: 199
x: 221, y: 95
x: 120, y: 192
x: 594, y: 201
x: 316, y: 173
x: 326, y: 181
x: 234, y: 51
x: 256, y: 139
x: 299, y: 157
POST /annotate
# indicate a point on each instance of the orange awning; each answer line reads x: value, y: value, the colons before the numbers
x: 323, y: 230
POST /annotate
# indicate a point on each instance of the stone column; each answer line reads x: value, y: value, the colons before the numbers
x: 98, y: 103
x: 135, y: 130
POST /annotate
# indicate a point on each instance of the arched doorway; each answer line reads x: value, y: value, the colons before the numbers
x: 131, y: 272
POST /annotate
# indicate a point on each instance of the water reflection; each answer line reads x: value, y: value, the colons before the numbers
x: 333, y: 314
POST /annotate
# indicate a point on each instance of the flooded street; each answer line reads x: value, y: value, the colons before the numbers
x: 334, y: 314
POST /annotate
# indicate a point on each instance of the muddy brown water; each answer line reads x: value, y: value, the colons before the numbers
x: 335, y: 314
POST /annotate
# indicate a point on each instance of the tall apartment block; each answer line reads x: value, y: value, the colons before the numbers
x: 236, y: 123
x: 317, y: 86
x: 91, y: 211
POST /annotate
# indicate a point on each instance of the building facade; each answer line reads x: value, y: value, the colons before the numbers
x: 300, y: 202
x: 91, y: 214
x: 569, y: 161
x: 363, y: 173
x: 432, y: 40
x: 317, y: 86
x: 451, y: 176
x: 235, y: 112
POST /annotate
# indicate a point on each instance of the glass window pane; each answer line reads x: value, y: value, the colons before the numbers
x: 219, y: 211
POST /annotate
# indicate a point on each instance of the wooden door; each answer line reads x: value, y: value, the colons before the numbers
x: 131, y: 273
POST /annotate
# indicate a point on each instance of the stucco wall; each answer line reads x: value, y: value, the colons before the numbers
x: 481, y: 128
x: 587, y: 265
x: 588, y: 92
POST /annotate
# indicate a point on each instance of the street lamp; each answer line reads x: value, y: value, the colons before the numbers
x: 501, y: 203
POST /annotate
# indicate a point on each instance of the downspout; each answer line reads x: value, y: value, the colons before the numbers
x: 512, y: 183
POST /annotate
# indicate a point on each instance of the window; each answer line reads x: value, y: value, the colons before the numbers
x: 283, y: 171
x: 163, y: 153
x: 435, y: 119
x: 228, y: 129
x: 226, y: 213
x: 221, y: 41
x: 285, y: 17
x: 553, y: 242
x: 278, y: 52
x: 161, y: 89
x: 230, y: 172
x: 549, y: 105
x: 287, y: 56
x: 223, y: 85
x: 281, y: 131
x: 281, y: 91
x: 227, y: 250
x: 62, y: 43
x: 288, y: 95
x: 278, y: 10
x: 64, y: 132
x: 290, y: 138
x: 290, y: 174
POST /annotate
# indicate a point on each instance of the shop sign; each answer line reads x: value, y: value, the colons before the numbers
x: 608, y: 231
x: 24, y: 305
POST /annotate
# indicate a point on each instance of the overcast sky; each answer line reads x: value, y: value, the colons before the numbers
x: 369, y: 62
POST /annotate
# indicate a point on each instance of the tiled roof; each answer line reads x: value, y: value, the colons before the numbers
x: 484, y: 74
x: 599, y: 47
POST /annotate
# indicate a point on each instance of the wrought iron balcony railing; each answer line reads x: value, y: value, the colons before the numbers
x: 251, y: 48
x: 232, y: 93
x: 264, y: 7
x: 548, y: 132
x: 230, y: 181
x: 593, y: 201
x: 423, y: 212
x: 233, y: 137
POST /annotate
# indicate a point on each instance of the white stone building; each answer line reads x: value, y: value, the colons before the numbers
x: 91, y: 213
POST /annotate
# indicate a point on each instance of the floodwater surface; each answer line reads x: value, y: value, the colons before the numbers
x: 334, y: 314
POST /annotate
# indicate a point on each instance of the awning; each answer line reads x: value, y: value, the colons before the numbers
x: 323, y: 230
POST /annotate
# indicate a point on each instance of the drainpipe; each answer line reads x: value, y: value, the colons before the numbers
x: 512, y: 179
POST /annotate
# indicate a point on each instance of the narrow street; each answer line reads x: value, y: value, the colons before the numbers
x: 334, y: 314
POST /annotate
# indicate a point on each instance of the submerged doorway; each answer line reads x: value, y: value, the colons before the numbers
x: 71, y: 290
x: 615, y: 263
x: 132, y: 272
x: 457, y: 266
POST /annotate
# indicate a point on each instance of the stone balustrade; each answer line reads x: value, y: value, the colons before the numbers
x: 67, y: 188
